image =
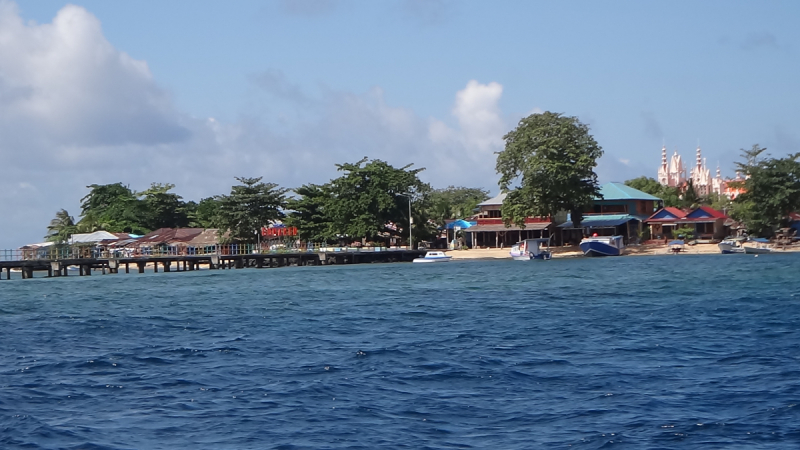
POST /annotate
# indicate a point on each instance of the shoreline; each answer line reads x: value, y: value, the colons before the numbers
x: 574, y: 251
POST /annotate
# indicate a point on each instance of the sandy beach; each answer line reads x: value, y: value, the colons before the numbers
x: 570, y: 252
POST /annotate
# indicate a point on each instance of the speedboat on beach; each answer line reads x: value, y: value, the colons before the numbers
x: 529, y: 249
x: 677, y: 246
x: 759, y: 247
x: 433, y: 257
x: 731, y: 246
x: 602, y: 246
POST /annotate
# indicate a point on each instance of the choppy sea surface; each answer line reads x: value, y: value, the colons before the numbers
x: 667, y: 352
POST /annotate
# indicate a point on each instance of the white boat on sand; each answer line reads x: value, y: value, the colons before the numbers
x: 433, y: 257
x: 759, y: 246
x: 529, y: 249
x: 731, y: 246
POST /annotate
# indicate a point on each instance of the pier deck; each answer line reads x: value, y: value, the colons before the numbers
x: 179, y: 263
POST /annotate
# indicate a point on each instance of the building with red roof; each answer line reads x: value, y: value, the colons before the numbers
x: 707, y: 222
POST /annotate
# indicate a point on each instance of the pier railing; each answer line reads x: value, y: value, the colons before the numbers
x: 64, y: 252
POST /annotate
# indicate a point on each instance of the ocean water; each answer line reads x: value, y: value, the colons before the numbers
x: 667, y: 352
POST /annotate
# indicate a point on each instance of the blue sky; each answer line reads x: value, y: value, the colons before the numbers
x: 197, y: 93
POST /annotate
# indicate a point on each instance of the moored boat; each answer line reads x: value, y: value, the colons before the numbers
x: 730, y: 246
x: 759, y: 246
x: 602, y: 246
x: 529, y: 249
x: 432, y: 257
x: 677, y: 246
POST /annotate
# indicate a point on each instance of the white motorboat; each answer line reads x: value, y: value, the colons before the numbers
x: 730, y: 246
x: 433, y: 257
x: 602, y: 246
x: 529, y: 249
x: 759, y: 246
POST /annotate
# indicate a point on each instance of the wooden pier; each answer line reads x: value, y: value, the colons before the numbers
x: 186, y: 263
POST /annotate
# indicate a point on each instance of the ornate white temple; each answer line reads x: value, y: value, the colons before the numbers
x: 673, y: 174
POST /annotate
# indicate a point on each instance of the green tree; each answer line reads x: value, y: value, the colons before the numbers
x: 61, y: 228
x: 311, y: 213
x: 690, y: 198
x: 684, y: 232
x: 164, y: 209
x: 113, y: 207
x: 454, y: 203
x: 716, y: 201
x: 547, y: 166
x: 646, y: 184
x: 250, y: 205
x: 670, y: 195
x: 204, y: 214
x: 372, y: 194
x: 369, y: 202
x: 772, y: 191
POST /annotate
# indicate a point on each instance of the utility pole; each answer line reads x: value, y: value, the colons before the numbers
x: 410, y: 223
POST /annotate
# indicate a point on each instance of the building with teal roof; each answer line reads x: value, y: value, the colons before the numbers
x: 620, y: 210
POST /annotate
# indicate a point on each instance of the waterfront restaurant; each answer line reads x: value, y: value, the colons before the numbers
x: 619, y: 212
x: 490, y: 231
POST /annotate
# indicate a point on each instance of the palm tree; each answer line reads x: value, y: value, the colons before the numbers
x: 61, y: 227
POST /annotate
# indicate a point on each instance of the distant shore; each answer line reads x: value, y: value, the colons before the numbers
x: 574, y: 251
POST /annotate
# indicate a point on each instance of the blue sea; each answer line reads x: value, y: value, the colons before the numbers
x: 664, y: 352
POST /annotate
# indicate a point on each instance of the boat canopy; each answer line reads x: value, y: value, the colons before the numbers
x: 601, y: 221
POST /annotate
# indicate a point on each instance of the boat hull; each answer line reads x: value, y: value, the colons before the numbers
x: 729, y: 249
x: 530, y: 257
x: 432, y: 260
x: 594, y: 248
x: 757, y: 250
x: 733, y: 251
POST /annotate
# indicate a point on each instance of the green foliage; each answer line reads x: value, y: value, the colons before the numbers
x: 162, y: 208
x: 248, y: 207
x: 61, y: 227
x: 716, y: 201
x: 204, y: 214
x: 670, y: 195
x: 362, y: 203
x: 368, y: 197
x: 114, y: 208
x: 454, y: 203
x: 686, y: 231
x: 551, y: 159
x: 690, y: 198
x: 772, y: 191
x: 117, y: 208
x: 311, y: 213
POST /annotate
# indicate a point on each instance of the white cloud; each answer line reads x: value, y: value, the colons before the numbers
x: 481, y: 126
x: 68, y: 83
x: 75, y: 111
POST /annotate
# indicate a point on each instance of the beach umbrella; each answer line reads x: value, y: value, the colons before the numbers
x: 461, y: 223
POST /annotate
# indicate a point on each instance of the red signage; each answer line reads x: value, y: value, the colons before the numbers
x: 278, y: 231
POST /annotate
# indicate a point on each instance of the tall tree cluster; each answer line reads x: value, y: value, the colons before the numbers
x: 771, y: 191
x: 547, y: 167
x: 454, y: 203
x: 369, y: 202
x: 117, y: 208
